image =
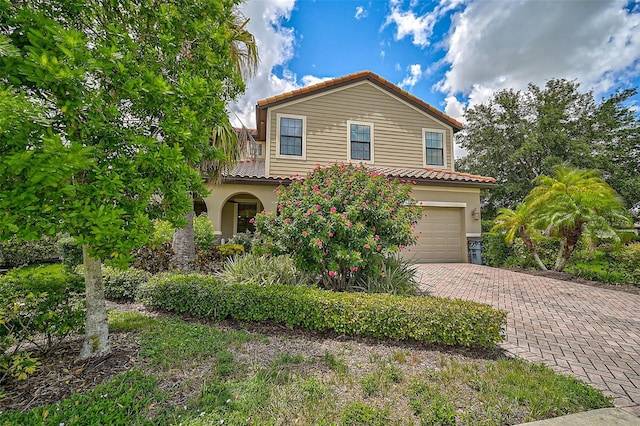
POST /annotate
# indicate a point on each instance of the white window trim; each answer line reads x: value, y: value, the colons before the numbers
x: 365, y: 123
x: 304, y: 137
x: 444, y: 148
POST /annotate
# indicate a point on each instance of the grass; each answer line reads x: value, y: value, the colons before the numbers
x: 197, y: 374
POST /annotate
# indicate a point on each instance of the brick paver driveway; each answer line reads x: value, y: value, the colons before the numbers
x: 586, y: 331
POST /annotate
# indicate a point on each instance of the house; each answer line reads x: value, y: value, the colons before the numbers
x: 359, y: 118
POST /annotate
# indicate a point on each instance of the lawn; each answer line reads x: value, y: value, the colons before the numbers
x: 169, y: 370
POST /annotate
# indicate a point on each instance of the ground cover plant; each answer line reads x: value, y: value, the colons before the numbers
x: 191, y: 373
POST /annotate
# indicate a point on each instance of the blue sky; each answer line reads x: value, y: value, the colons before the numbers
x: 451, y: 53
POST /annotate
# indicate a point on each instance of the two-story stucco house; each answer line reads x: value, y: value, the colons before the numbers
x: 359, y: 118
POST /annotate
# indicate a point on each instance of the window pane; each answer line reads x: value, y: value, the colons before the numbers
x: 291, y: 136
x: 434, y: 142
x: 360, y: 151
x: 360, y: 133
x: 360, y: 138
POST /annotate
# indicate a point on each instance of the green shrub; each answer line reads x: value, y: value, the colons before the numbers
x: 17, y: 252
x: 205, y: 238
x: 263, y: 270
x: 69, y: 251
x: 39, y: 305
x: 419, y: 318
x: 340, y: 222
x: 398, y: 276
x: 230, y: 250
x: 154, y: 260
x: 609, y: 263
x: 122, y: 284
x: 495, y: 252
x: 162, y: 233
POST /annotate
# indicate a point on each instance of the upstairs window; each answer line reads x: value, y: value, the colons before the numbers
x: 360, y: 141
x: 434, y: 147
x: 291, y: 136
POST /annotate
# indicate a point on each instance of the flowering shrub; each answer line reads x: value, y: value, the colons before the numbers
x: 340, y: 222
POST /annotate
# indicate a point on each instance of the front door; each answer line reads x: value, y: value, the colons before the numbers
x: 246, y: 211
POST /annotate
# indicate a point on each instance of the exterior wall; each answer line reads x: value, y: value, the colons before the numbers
x: 222, y: 217
x: 397, y: 129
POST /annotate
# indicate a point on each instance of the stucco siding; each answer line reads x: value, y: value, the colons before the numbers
x: 397, y: 134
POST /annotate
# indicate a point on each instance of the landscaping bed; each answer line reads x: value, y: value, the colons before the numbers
x: 169, y: 370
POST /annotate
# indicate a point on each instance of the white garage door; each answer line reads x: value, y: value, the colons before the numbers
x: 442, y: 237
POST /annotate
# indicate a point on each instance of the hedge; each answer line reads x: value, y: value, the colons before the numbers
x: 419, y: 318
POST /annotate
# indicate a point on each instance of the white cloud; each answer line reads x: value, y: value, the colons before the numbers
x: 418, y: 27
x: 310, y: 80
x: 407, y: 23
x: 361, y: 13
x: 491, y: 48
x: 275, y: 47
x: 415, y: 75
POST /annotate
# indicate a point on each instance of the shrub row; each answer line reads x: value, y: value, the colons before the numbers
x: 419, y: 318
x: 16, y: 252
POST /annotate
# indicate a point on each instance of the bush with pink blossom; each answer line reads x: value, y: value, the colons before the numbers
x: 340, y: 222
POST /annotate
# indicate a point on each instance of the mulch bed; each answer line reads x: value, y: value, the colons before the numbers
x: 62, y: 374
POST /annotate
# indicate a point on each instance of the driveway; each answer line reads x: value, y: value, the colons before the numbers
x: 591, y: 333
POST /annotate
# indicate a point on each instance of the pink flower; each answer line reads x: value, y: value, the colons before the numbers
x: 304, y: 234
x: 330, y: 234
x: 350, y: 186
x: 353, y: 269
x: 319, y: 243
x: 317, y: 206
x: 332, y: 274
x: 376, y: 237
x: 350, y: 224
x: 252, y: 220
x: 367, y: 246
x: 297, y: 203
x: 316, y: 189
x: 344, y: 217
x: 379, y: 246
x: 287, y: 220
x: 333, y: 210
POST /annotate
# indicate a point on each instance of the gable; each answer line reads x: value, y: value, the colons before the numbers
x: 398, y: 128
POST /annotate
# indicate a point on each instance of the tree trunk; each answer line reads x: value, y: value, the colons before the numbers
x: 529, y: 244
x: 567, y: 245
x: 184, y: 244
x: 96, y: 338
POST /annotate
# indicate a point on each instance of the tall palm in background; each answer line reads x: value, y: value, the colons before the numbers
x: 227, y: 144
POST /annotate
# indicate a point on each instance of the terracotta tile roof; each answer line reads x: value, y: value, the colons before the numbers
x: 353, y: 78
x: 431, y: 174
x: 255, y: 170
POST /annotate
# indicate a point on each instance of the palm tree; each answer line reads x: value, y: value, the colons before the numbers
x: 518, y: 222
x: 572, y: 202
x: 227, y: 144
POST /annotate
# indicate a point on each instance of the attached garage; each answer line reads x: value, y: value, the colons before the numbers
x: 441, y: 235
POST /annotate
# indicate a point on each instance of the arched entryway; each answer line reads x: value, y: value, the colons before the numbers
x: 237, y: 213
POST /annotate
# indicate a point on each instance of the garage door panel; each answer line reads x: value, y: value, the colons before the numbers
x: 441, y: 236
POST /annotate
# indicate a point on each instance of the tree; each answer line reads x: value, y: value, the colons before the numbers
x: 518, y: 222
x: 573, y: 202
x: 517, y: 136
x: 340, y: 222
x: 103, y: 106
x: 227, y: 144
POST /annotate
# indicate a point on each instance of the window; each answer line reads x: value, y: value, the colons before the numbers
x: 291, y: 136
x: 434, y: 144
x: 360, y: 141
